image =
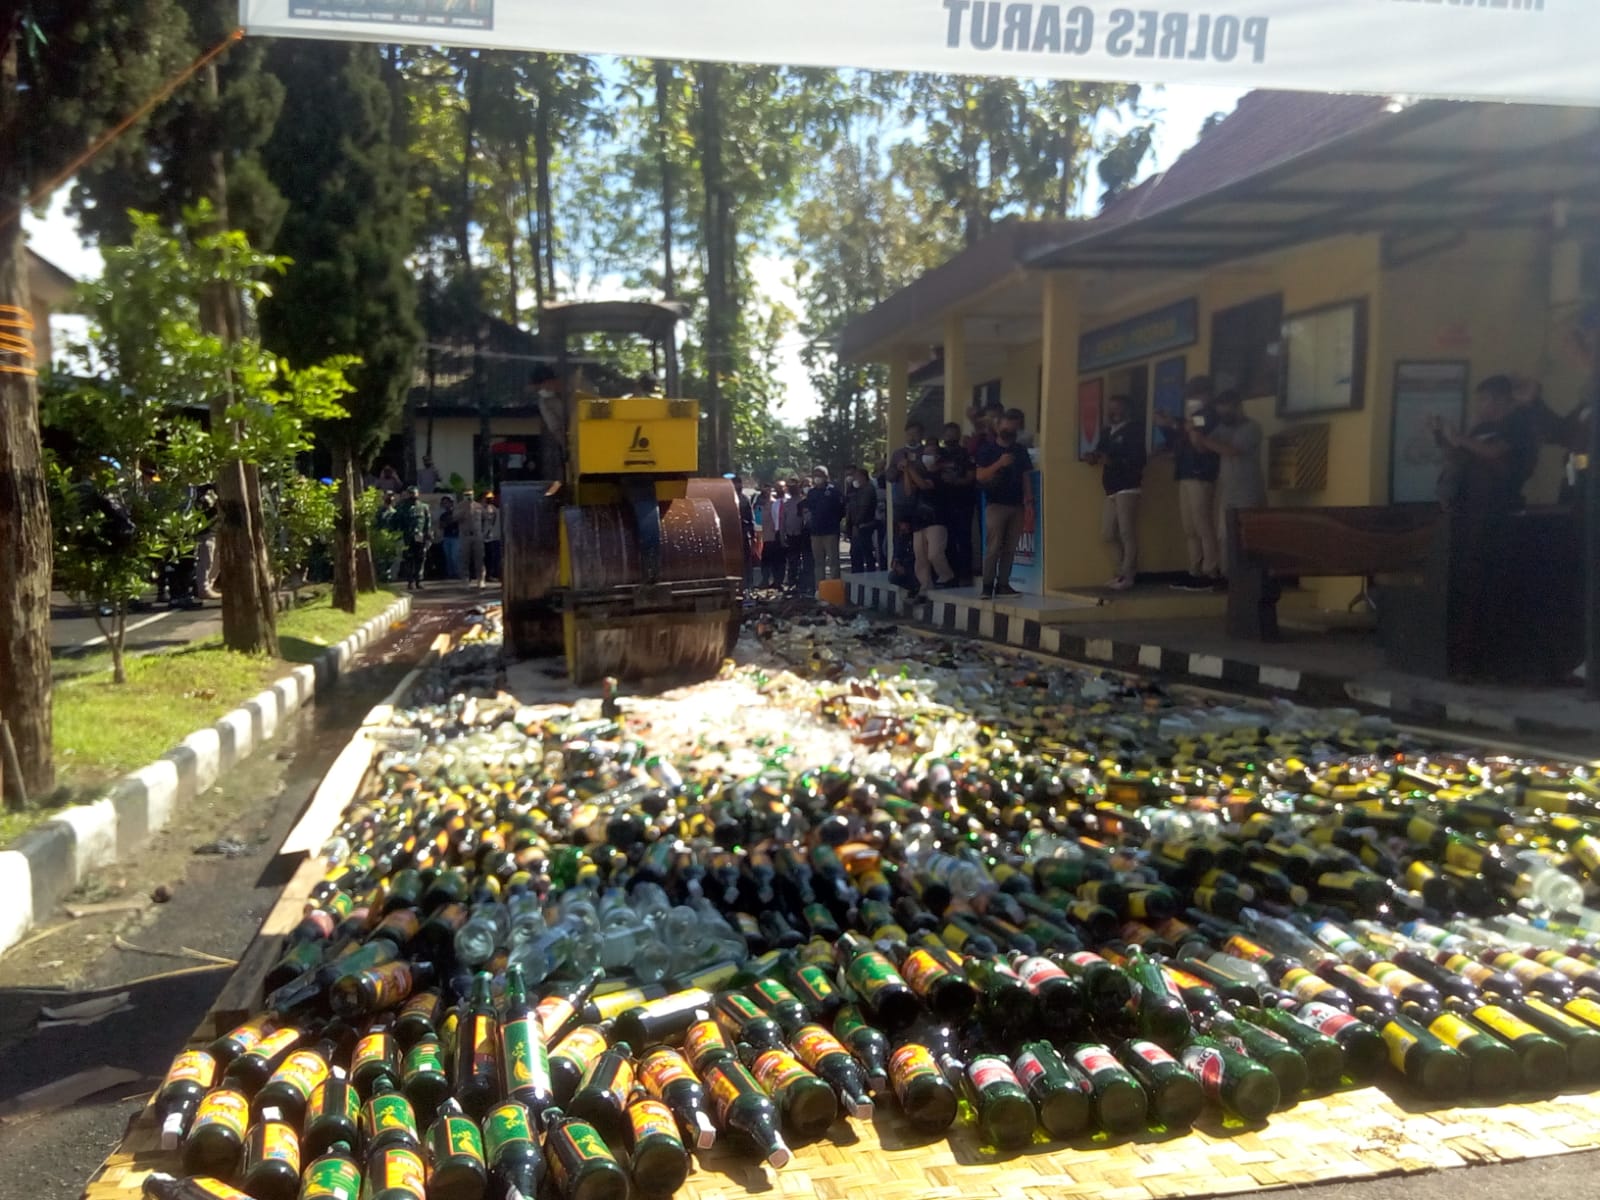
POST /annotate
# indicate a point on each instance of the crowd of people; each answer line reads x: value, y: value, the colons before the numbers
x: 459, y: 540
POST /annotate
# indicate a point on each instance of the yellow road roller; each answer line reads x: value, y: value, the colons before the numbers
x: 628, y: 564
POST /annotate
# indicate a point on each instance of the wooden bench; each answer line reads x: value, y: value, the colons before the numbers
x: 1270, y: 545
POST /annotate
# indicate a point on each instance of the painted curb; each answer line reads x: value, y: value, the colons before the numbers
x: 1202, y: 670
x: 49, y: 861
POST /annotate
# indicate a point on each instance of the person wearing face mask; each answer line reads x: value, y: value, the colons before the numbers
x: 1002, y: 473
x: 956, y: 497
x: 861, y: 518
x: 1120, y: 456
x: 824, y: 508
x: 929, y: 532
x: 770, y: 510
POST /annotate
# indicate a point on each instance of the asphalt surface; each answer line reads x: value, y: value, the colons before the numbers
x: 218, y: 903
x: 216, y: 906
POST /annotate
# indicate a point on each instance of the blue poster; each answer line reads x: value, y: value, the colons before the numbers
x: 1166, y: 399
x: 1027, y: 568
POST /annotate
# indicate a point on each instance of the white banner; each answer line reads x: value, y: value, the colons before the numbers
x: 1536, y: 51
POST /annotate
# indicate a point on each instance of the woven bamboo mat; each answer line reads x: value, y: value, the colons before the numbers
x: 1359, y: 1134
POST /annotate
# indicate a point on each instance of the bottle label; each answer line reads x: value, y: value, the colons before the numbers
x: 1094, y: 1058
x: 422, y: 1059
x: 527, y: 1063
x: 401, y: 1170
x: 575, y: 1143
x: 1396, y: 979
x: 374, y: 1048
x: 922, y: 970
x: 1399, y: 1041
x: 1469, y: 969
x: 1586, y: 850
x: 389, y: 1111
x: 275, y: 1043
x: 777, y: 1071
x: 424, y: 1005
x: 279, y: 1142
x: 1029, y: 1069
x: 617, y: 1079
x: 660, y: 1069
x: 741, y: 1007
x: 1453, y: 1031
x: 224, y: 1108
x: 302, y: 1071
x: 651, y: 1118
x: 485, y: 1039
x: 813, y: 1043
x: 1304, y: 985
x: 193, y: 1066
x: 581, y: 1047
x: 1585, y: 1009
x: 813, y: 981
x: 249, y: 1035
x: 910, y: 1062
x: 1182, y: 980
x: 1524, y: 970
x: 990, y: 1072
x: 391, y: 983
x: 1084, y: 959
x: 1242, y: 947
x: 331, y: 1179
x: 726, y: 1082
x: 1206, y: 1064
x: 1325, y: 1018
x: 1150, y: 1052
x: 702, y: 1040
x: 1554, y: 1013
x: 1504, y: 1022
x: 1036, y: 972
x: 773, y: 992
x: 614, y: 1004
x: 552, y: 1014
x: 455, y: 1137
x: 1563, y: 963
x: 1464, y: 855
x: 505, y: 1125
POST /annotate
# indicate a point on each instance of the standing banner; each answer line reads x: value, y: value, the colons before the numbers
x: 1534, y: 51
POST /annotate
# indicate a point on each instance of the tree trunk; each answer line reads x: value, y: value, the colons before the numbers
x: 530, y: 210
x: 464, y: 215
x: 511, y: 256
x: 717, y: 289
x: 669, y: 281
x: 344, y: 532
x: 118, y: 642
x: 25, y: 537
x: 249, y: 614
x: 543, y: 150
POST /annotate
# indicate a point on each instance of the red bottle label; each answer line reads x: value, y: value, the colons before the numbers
x: 1094, y: 1058
x: 1151, y: 1053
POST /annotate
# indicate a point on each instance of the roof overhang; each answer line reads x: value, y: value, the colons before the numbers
x: 650, y: 319
x: 1434, y: 167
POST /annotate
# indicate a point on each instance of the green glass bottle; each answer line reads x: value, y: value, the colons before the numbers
x: 423, y: 1078
x: 1005, y: 1115
x: 334, y: 1175
x: 1432, y: 1067
x: 925, y: 1095
x: 1364, y: 1050
x: 658, y: 1161
x: 524, y: 1061
x: 867, y: 1043
x: 1495, y: 1070
x: 741, y: 1105
x: 215, y: 1141
x: 1162, y: 1015
x: 1242, y: 1087
x: 395, y: 1173
x: 1119, y: 1103
x: 666, y: 1076
x: 333, y: 1116
x: 1176, y: 1098
x: 511, y: 1147
x: 602, y: 1097
x: 1324, y: 1057
x: 1270, y: 1049
x: 387, y: 1119
x: 271, y: 1161
x: 1060, y: 1092
x: 806, y: 1104
x: 582, y: 1166
x: 456, y: 1166
x: 1543, y: 1059
x: 477, y: 1067
x: 571, y: 1058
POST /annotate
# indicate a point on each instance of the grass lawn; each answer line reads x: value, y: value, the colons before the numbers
x: 104, y: 730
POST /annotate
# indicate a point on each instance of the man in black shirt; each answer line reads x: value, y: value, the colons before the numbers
x: 1120, y: 455
x: 1002, y: 473
x: 1195, y: 468
x: 957, y: 499
x: 824, y: 509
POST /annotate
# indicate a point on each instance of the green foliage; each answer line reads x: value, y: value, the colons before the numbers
x: 303, y: 516
x: 376, y: 531
x: 348, y: 290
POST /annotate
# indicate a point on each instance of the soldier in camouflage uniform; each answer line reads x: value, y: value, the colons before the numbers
x: 416, y: 526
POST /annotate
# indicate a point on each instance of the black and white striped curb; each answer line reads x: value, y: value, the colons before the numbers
x: 49, y: 861
x: 1304, y: 687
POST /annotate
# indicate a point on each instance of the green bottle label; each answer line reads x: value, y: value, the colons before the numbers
x: 526, y: 1059
x: 814, y: 983
x: 871, y: 973
x: 331, y: 1179
x: 773, y: 992
x: 390, y: 1111
x: 456, y: 1137
x: 504, y: 1126
x: 423, y: 1059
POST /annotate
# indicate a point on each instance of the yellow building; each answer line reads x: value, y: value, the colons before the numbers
x: 1325, y: 254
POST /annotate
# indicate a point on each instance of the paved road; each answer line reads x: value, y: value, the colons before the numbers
x: 216, y: 906
x: 74, y: 634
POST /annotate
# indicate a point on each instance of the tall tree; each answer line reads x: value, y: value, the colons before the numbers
x: 204, y: 144
x: 337, y: 157
x: 69, y: 69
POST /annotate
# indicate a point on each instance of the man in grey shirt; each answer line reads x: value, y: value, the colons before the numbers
x: 1241, y: 483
